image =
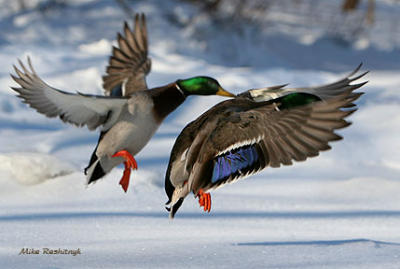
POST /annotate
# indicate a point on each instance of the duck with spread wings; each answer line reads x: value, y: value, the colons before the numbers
x: 129, y: 113
x: 259, y: 128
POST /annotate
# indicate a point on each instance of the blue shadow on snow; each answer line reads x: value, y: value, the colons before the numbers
x: 319, y: 242
x: 189, y: 215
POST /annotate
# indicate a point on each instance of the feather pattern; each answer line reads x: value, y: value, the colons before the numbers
x: 307, y: 130
x: 322, y: 91
x: 235, y: 162
x: 78, y: 109
x: 129, y: 63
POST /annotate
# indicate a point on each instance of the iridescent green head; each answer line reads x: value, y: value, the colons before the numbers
x: 202, y: 86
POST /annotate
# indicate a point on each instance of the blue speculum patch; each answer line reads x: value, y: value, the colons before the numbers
x: 233, y: 162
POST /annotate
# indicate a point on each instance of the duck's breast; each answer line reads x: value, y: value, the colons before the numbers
x: 133, y: 130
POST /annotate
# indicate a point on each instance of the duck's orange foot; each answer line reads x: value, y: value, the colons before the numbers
x: 204, y: 200
x: 130, y: 163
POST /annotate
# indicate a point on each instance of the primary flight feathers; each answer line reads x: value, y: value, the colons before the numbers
x: 129, y: 63
x: 78, y: 109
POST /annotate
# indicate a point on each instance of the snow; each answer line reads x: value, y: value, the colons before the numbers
x: 41, y: 167
x: 338, y: 210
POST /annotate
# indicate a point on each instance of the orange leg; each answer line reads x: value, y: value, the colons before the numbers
x: 204, y: 200
x: 129, y: 163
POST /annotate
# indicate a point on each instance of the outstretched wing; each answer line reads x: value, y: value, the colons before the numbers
x: 78, y: 109
x: 129, y: 63
x: 269, y: 134
x: 322, y: 91
x: 333, y: 89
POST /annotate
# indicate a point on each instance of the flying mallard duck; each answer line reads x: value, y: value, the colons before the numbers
x: 259, y: 128
x: 128, y: 115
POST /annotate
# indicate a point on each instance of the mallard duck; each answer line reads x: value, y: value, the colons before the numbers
x: 128, y: 115
x: 259, y: 128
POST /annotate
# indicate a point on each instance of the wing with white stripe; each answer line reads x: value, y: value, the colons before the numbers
x: 268, y: 134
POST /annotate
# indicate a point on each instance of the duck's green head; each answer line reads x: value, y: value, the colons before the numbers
x: 202, y: 86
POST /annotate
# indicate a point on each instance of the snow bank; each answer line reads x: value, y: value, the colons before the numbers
x: 33, y: 168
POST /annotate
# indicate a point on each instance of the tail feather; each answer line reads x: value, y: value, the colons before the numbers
x: 175, y: 208
x: 93, y: 159
x: 94, y: 172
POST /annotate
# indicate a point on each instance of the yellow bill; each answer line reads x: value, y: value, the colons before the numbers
x: 222, y: 92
